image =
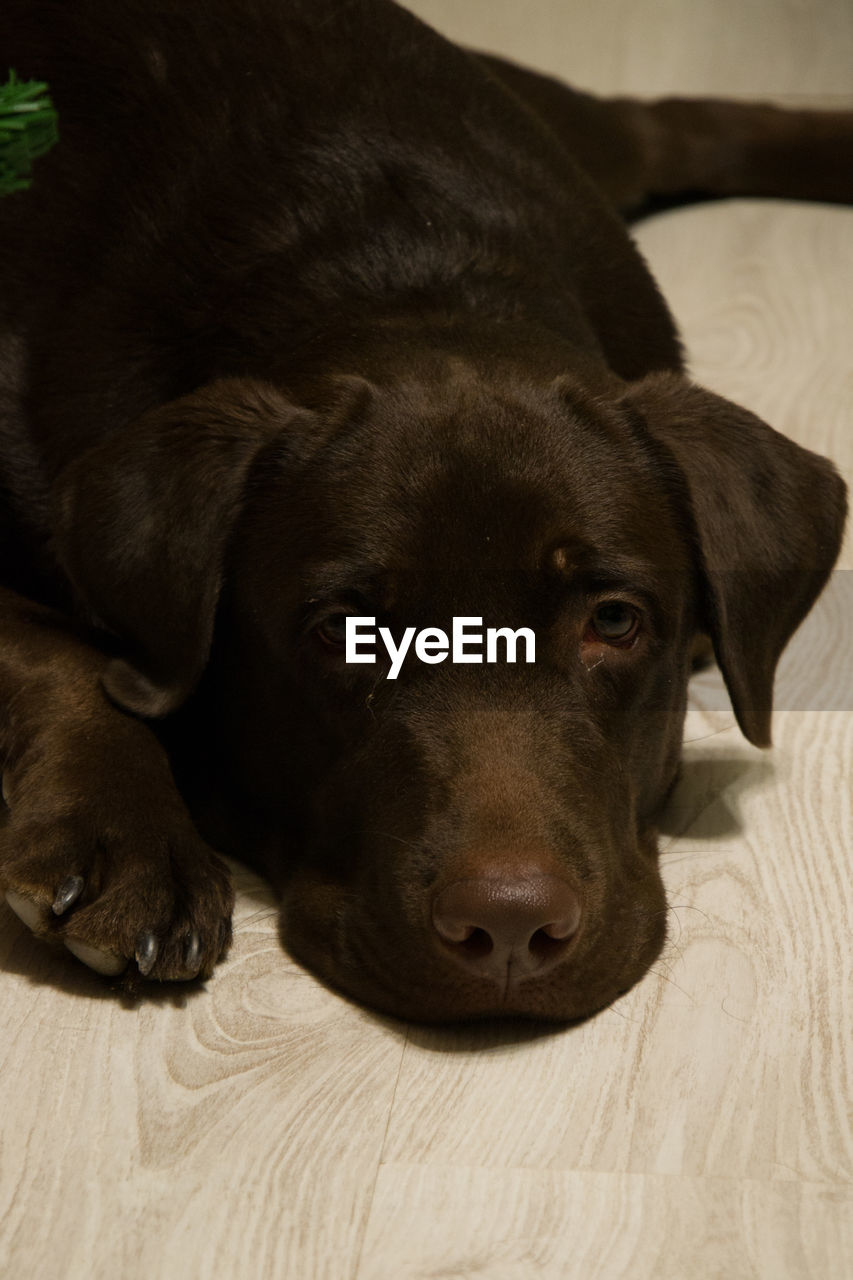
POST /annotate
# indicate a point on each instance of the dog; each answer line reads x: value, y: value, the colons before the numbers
x: 314, y: 321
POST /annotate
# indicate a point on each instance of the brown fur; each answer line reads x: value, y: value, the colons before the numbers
x: 312, y: 312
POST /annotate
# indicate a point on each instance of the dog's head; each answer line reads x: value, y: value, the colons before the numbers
x: 466, y: 838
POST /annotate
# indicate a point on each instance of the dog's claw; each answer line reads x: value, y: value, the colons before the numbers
x: 146, y: 953
x: 25, y: 909
x: 67, y: 894
x: 106, y: 962
x: 192, y: 953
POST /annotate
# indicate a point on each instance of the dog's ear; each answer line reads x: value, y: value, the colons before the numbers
x: 768, y: 517
x: 142, y: 524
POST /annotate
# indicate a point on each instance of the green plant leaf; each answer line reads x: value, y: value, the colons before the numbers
x: 28, y: 128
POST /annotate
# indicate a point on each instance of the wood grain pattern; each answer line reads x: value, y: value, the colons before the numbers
x: 703, y: 1126
x: 458, y: 1223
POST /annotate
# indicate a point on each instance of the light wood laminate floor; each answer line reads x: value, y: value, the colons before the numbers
x: 703, y: 1126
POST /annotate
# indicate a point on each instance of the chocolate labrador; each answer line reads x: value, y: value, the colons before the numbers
x: 326, y: 358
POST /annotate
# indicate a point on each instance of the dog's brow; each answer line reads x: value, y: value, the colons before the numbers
x: 595, y: 573
x: 342, y: 578
x: 577, y: 560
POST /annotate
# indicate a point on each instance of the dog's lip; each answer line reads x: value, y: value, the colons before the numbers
x: 495, y: 1004
x: 443, y: 994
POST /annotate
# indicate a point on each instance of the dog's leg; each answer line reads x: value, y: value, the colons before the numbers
x: 96, y: 847
x: 648, y: 152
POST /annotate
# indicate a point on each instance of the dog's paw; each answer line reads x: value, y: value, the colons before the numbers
x: 149, y: 896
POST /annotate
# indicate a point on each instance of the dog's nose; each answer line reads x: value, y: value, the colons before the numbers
x: 504, y: 927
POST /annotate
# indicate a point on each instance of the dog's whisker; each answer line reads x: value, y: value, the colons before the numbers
x: 657, y: 974
x: 688, y: 906
x: 390, y: 835
x: 612, y: 1008
x: 714, y: 733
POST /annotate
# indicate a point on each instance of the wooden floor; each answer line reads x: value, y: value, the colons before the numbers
x: 700, y: 1128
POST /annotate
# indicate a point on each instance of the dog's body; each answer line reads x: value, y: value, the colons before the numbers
x: 310, y: 314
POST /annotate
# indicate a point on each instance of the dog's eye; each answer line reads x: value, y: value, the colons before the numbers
x: 332, y: 631
x: 615, y: 622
